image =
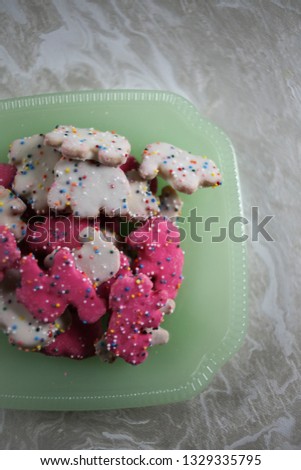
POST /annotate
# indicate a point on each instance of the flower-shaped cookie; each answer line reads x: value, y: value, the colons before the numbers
x: 107, y: 148
x: 182, y: 170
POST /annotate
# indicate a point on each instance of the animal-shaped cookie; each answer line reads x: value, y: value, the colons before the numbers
x: 9, y: 251
x: 159, y: 254
x: 170, y: 203
x: 135, y: 308
x: 86, y: 187
x: 107, y: 148
x: 20, y: 326
x: 182, y: 170
x: 47, y: 294
x: 77, y: 342
x: 35, y: 164
x: 97, y: 258
x: 11, y: 210
x: 141, y: 201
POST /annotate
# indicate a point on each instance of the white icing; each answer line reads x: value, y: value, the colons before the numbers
x: 170, y: 202
x: 15, y: 321
x: 159, y: 336
x: 11, y: 209
x: 97, y: 258
x: 35, y: 164
x: 87, y: 187
x: 107, y: 148
x: 182, y: 170
x: 141, y: 201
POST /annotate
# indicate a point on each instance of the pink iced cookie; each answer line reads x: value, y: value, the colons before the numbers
x: 9, y: 252
x: 77, y: 342
x: 159, y: 254
x: 47, y: 295
x: 7, y: 174
x: 136, y: 307
x: 44, y: 236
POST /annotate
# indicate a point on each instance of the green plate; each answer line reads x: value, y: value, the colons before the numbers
x: 209, y: 322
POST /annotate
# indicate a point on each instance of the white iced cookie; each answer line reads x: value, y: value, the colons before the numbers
x: 35, y: 163
x: 97, y: 258
x: 170, y: 203
x: 87, y: 187
x: 107, y: 148
x: 141, y: 201
x: 159, y: 336
x: 16, y: 322
x: 182, y: 170
x: 11, y: 209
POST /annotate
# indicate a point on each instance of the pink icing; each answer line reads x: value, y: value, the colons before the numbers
x: 44, y: 236
x: 47, y: 295
x: 135, y: 307
x: 9, y: 252
x: 159, y: 255
x: 7, y: 174
x: 77, y: 342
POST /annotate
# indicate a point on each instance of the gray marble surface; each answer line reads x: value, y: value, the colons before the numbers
x: 238, y: 61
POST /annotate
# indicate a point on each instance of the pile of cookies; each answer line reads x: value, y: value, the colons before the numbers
x: 90, y: 255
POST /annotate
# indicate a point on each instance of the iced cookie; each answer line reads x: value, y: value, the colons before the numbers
x: 133, y: 164
x: 11, y: 209
x: 49, y: 233
x: 35, y: 164
x: 97, y: 258
x: 7, y: 174
x: 135, y: 308
x: 87, y: 187
x: 170, y: 203
x: 77, y: 342
x: 141, y: 201
x: 124, y: 270
x: 182, y: 170
x: 159, y: 255
x: 107, y: 148
x: 22, y: 329
x: 9, y: 252
x: 47, y: 294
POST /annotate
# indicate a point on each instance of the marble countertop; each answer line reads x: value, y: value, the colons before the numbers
x: 238, y: 62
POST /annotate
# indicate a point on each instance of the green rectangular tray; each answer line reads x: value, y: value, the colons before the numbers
x: 209, y: 322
